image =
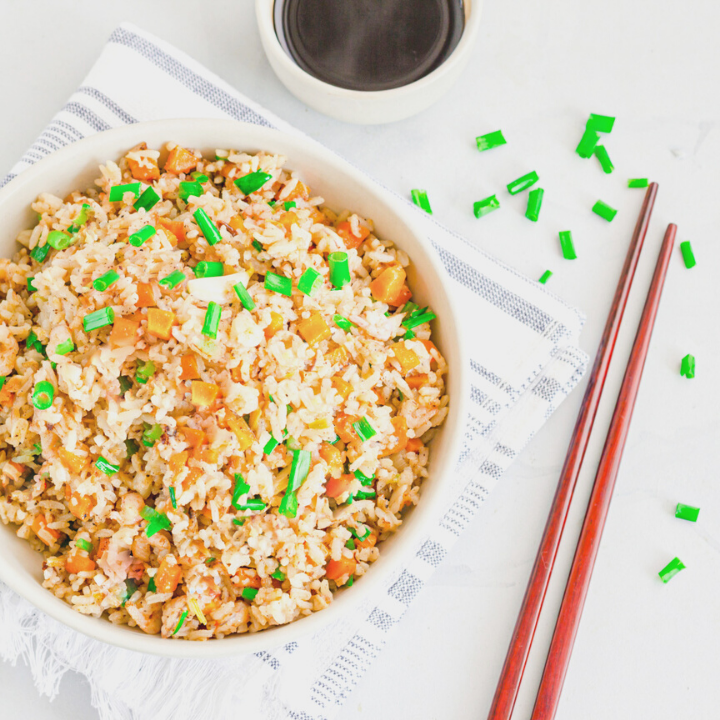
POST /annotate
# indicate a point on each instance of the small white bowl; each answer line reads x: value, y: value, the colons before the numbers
x: 342, y: 186
x: 366, y: 108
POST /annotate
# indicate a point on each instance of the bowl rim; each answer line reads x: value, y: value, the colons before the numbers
x: 113, y: 142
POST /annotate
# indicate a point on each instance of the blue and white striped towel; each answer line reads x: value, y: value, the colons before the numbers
x: 525, y: 360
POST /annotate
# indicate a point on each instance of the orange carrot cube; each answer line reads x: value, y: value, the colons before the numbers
x: 160, y: 322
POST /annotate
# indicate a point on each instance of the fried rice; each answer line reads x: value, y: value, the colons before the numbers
x: 205, y: 429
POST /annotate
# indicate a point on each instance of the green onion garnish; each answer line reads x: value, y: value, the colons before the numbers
x: 125, y: 384
x: 310, y: 282
x: 687, y: 512
x: 289, y: 205
x: 253, y: 504
x: 601, y: 154
x: 241, y: 487
x: 420, y: 198
x: 671, y: 570
x: 249, y: 593
x: 490, y: 141
x: 350, y: 581
x: 360, y: 537
x: 364, y: 479
x: 241, y: 291
x: 199, y: 177
x: 600, y: 123
x: 604, y: 210
x: 131, y: 447
x: 687, y: 366
x: 298, y: 472
x: 98, y: 319
x: 31, y: 288
x: 102, y: 283
x: 586, y: 146
x: 80, y: 220
x: 37, y: 449
x: 687, y: 253
x: 33, y: 342
x: 350, y: 544
x: 257, y: 245
x: 189, y: 189
x: 152, y: 587
x: 239, y: 521
x: 130, y: 589
x: 173, y: 279
x: 278, y: 575
x: 342, y: 322
x: 117, y: 192
x: 144, y: 371
x: 207, y: 227
x: 417, y: 319
x: 270, y: 445
x: 181, y: 622
x: 3, y: 380
x: 483, y: 207
x: 43, y: 395
x: 212, y: 320
x: 535, y: 199
x: 365, y: 494
x: 522, y: 183
x: 209, y: 269
x: 148, y: 200
x: 173, y: 499
x: 59, y: 240
x: 272, y: 203
x: 364, y: 429
x: 83, y: 544
x: 137, y: 239
x: 278, y: 283
x: 151, y: 435
x: 289, y: 505
x: 545, y: 277
x: 40, y: 252
x: 566, y: 245
x: 339, y: 269
x: 107, y: 467
x: 638, y: 182
x: 253, y: 182
x: 157, y: 521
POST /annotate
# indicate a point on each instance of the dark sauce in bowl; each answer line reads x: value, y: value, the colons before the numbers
x: 369, y: 44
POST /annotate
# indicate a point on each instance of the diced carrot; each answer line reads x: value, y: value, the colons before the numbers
x: 80, y: 505
x: 78, y: 563
x: 242, y: 432
x: 102, y: 547
x: 276, y: 323
x: 146, y: 295
x: 248, y: 578
x: 236, y: 373
x: 332, y: 456
x: 168, y: 575
x: 288, y: 219
x: 386, y: 287
x: 74, y: 463
x: 194, y: 438
x: 338, y: 356
x: 178, y: 461
x: 344, y: 230
x: 342, y: 387
x: 414, y: 445
x: 204, y: 393
x: 299, y: 191
x: 41, y: 529
x: 206, y: 454
x: 369, y: 541
x: 160, y: 322
x: 430, y: 347
x: 407, y: 358
x: 180, y: 160
x: 416, y: 381
x: 343, y: 427
x: 335, y: 569
x: 400, y: 425
x: 237, y: 223
x: 314, y: 329
x: 189, y: 367
x: 146, y: 172
x: 176, y: 227
x: 124, y: 332
x: 402, y: 297
x: 337, y: 487
x: 192, y: 477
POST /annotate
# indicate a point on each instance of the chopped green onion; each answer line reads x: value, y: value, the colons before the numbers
x: 270, y: 445
x: 356, y: 534
x: 257, y: 245
x: 289, y: 505
x: 342, y: 322
x: 141, y: 236
x: 80, y: 220
x: 600, y: 123
x: 566, y: 245
x: 241, y: 291
x: 278, y: 283
x: 43, y: 395
x: 638, y: 182
x: 32, y: 342
x: 59, y: 240
x: 350, y: 581
x: 364, y: 479
x: 671, y: 570
x: 144, y: 371
x: 189, y: 189
x: 212, y: 320
x: 107, y: 467
x: 102, y: 283
x: 687, y: 366
x: 239, y: 521
x: 364, y: 429
x: 310, y: 282
x: 241, y: 487
x: 253, y: 504
x: 130, y: 589
x: 289, y: 205
x: 207, y: 227
x: 125, y: 384
x: 604, y: 210
x: 418, y: 319
x: 181, y: 622
x: 117, y: 192
x: 37, y: 449
x: 292, y: 444
x: 522, y: 183
x: 420, y: 198
x: 148, y: 200
x: 253, y: 182
x: 545, y: 277
x: 173, y: 499
x: 31, y: 288
x: 83, y: 544
x: 687, y: 512
x: 199, y: 177
x: 151, y: 435
x: 350, y: 544
x: 40, y: 252
x: 365, y: 494
x: 249, y: 593
x: 339, y: 269
x: 152, y: 587
x: 299, y: 469
x: 490, y: 141
x: 209, y: 269
x: 157, y: 521
x: 131, y: 447
x: 173, y: 279
x: 278, y: 575
x: 601, y: 154
x: 272, y: 203
x: 3, y: 380
x: 483, y: 207
x: 586, y: 146
x: 535, y: 199
x: 688, y: 255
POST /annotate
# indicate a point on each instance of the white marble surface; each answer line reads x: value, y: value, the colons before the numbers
x: 644, y: 649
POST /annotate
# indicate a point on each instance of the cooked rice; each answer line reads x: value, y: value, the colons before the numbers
x: 271, y: 383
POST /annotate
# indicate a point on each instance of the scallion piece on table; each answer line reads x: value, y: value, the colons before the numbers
x: 80, y: 220
x: 257, y: 245
x: 604, y: 211
x: 364, y: 429
x: 59, y: 240
x: 253, y: 182
x: 181, y: 622
x: 483, y: 207
x: 117, y: 192
x: 151, y: 435
x: 310, y: 282
x: 30, y: 286
x: 364, y: 479
x: 339, y: 269
x: 687, y: 366
x: 148, y: 200
x: 342, y: 322
x: 107, y: 467
x: 535, y: 199
x: 601, y: 154
x: 84, y: 544
x: 567, y: 246
x: 278, y: 575
x: 98, y: 319
x: 244, y: 296
x: 420, y: 198
x: 687, y: 512
x: 600, y: 123
x: 671, y: 570
x: 212, y: 320
x: 64, y: 347
x: 157, y: 521
x: 289, y: 205
x: 638, y: 182
x: 173, y: 498
x: 173, y: 279
x: 687, y: 254
x: 189, y: 189
x: 278, y: 283
x: 587, y: 144
x: 206, y: 269
x: 249, y: 593
x: 490, y: 141
x: 102, y: 283
x: 241, y: 488
x: 131, y: 447
x: 207, y: 227
x: 40, y: 252
x: 142, y: 236
x: 144, y: 371
x: 522, y: 183
x: 43, y: 395
x: 253, y: 504
x: 545, y: 277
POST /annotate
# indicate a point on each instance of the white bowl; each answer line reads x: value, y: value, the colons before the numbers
x: 342, y: 186
x: 366, y: 108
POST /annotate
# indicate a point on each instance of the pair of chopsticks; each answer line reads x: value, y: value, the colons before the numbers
x: 578, y: 583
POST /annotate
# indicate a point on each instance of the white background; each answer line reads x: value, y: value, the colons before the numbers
x: 644, y: 649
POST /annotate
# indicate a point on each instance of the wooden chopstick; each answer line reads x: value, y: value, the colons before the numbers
x: 516, y: 659
x: 587, y: 548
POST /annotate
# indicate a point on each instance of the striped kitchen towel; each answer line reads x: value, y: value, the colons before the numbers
x: 524, y: 361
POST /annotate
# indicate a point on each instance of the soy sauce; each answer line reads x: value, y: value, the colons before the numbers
x: 369, y: 44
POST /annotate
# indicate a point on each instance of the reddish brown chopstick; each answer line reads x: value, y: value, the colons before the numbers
x: 579, y: 581
x: 512, y: 672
